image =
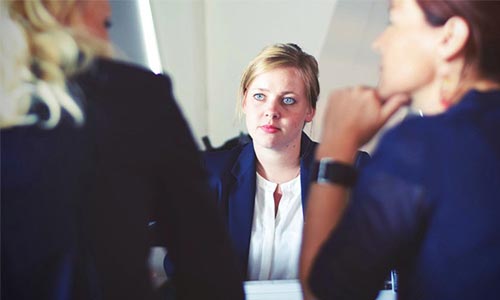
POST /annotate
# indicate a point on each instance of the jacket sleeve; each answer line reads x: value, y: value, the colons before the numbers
x: 381, y: 225
x: 188, y: 219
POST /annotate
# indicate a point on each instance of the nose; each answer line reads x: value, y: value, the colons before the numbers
x: 272, y: 109
x: 377, y: 43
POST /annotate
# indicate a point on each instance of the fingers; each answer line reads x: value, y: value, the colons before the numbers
x: 392, y: 104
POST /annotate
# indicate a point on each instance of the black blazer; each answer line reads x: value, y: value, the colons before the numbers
x: 76, y: 201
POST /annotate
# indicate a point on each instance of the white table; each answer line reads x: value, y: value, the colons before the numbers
x: 288, y: 290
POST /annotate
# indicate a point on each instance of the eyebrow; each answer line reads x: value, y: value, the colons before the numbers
x: 281, y: 94
x: 260, y: 89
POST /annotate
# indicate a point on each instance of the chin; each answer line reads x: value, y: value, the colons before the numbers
x: 266, y: 142
x: 383, y: 92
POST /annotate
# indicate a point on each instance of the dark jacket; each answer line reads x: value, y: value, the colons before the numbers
x: 76, y: 201
x: 427, y: 204
x: 233, y: 182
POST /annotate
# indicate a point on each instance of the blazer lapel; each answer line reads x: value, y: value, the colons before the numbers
x: 307, y: 147
x: 241, y: 203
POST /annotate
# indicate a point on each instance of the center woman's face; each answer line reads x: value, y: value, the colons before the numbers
x: 276, y: 108
x: 408, y: 50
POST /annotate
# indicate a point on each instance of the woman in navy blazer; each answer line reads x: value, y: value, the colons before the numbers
x: 233, y: 180
x: 428, y: 203
x: 260, y: 186
x: 278, y: 95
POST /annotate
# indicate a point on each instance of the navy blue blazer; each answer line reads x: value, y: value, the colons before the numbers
x: 233, y: 182
x: 427, y: 204
x: 76, y: 201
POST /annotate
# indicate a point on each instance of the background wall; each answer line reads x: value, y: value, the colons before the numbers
x: 205, y: 45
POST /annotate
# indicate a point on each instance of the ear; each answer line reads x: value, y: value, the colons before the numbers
x: 310, y: 114
x: 456, y: 33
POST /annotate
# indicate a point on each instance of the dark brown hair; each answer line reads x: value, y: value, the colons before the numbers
x: 483, y: 17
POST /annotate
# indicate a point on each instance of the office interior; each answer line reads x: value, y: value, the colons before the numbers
x: 204, y: 45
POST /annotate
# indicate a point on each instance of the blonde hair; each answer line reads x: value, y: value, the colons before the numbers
x: 40, y: 49
x: 281, y: 56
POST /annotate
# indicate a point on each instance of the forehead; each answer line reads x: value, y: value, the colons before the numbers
x: 280, y: 76
x: 95, y: 8
x: 404, y: 5
x: 396, y: 3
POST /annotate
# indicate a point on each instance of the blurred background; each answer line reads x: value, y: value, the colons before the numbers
x: 206, y: 44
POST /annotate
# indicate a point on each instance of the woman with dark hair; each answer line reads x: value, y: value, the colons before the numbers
x: 427, y: 204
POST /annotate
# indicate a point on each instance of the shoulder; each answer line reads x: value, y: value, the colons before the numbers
x: 121, y: 69
x: 128, y: 91
x: 412, y: 136
x: 407, y: 135
x: 111, y: 75
x: 406, y: 150
x: 307, y: 147
x: 219, y: 162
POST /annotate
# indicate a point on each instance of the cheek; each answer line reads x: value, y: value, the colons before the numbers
x: 310, y: 115
x: 250, y: 110
x: 95, y: 24
x: 409, y: 66
x: 297, y: 122
x: 250, y: 118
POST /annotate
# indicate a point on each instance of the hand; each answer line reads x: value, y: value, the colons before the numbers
x: 352, y: 117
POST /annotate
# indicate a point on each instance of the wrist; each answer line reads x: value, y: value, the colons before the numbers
x: 343, y: 153
x: 331, y: 171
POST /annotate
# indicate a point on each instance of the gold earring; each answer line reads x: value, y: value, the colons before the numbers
x: 447, y: 91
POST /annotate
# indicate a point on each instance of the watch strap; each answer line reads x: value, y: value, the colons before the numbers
x: 327, y: 170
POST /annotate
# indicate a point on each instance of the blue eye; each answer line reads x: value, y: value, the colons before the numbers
x: 258, y: 96
x: 288, y: 100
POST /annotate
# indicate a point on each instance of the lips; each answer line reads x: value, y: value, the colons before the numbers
x: 269, y: 128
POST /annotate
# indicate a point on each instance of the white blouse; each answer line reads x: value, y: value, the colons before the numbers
x: 275, y: 241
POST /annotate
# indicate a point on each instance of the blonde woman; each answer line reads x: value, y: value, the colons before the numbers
x: 261, y: 187
x: 92, y: 151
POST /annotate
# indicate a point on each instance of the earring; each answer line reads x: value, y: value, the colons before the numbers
x: 446, y: 92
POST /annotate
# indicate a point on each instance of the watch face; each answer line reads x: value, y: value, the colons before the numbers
x: 329, y: 171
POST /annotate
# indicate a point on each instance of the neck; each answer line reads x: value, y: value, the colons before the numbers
x: 486, y: 85
x: 278, y: 166
x: 427, y: 99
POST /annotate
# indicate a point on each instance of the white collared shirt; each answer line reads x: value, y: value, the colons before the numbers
x: 275, y: 241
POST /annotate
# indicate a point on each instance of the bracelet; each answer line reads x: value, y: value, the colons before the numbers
x: 329, y: 171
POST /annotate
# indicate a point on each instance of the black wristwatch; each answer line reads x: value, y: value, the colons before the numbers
x: 330, y: 171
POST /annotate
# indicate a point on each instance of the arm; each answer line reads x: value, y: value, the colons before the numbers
x: 198, y: 244
x: 321, y: 217
x: 352, y: 117
x: 379, y: 231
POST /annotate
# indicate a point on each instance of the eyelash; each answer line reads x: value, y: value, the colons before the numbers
x: 260, y: 97
x: 255, y: 96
